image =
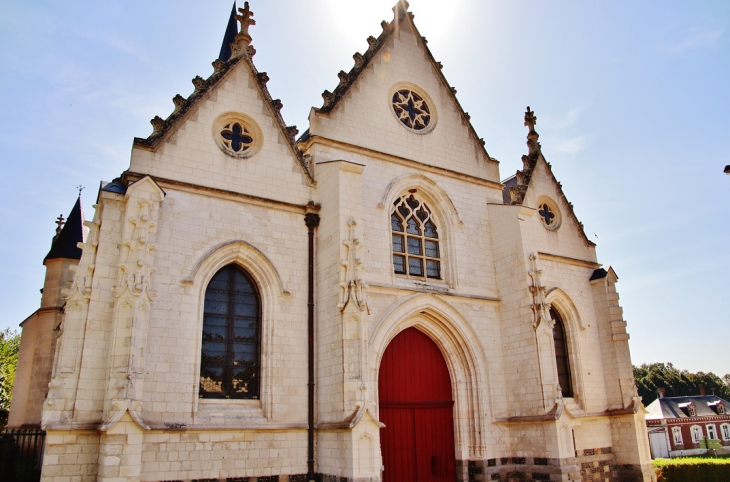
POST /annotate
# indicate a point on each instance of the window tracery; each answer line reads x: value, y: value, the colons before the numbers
x: 236, y: 138
x: 231, y: 342
x: 415, y: 239
x: 411, y: 109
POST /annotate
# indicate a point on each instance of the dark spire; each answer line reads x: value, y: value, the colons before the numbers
x: 64, y: 243
x: 230, y: 35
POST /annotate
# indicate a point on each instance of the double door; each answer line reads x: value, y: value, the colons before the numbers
x: 416, y: 407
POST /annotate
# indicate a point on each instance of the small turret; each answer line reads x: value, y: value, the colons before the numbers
x: 38, y: 340
x: 68, y: 234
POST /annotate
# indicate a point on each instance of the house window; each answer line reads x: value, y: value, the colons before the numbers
x: 725, y: 430
x: 677, y: 435
x: 691, y: 410
x: 696, y: 432
x: 721, y: 408
x: 230, y: 352
x: 415, y: 239
x: 561, y: 354
x: 711, y: 432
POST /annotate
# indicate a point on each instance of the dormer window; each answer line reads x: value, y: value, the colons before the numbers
x: 688, y: 408
x: 717, y: 406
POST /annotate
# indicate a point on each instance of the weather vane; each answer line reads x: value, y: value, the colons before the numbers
x: 80, y: 188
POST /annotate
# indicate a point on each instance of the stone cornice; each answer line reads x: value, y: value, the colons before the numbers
x: 221, y: 193
x: 384, y: 156
x: 566, y: 260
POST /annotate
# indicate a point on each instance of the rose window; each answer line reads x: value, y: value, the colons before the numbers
x: 415, y: 239
x: 236, y: 138
x: 411, y: 109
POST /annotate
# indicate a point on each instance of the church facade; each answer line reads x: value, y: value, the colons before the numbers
x: 365, y: 302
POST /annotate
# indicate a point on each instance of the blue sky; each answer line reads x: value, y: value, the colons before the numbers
x: 632, y: 100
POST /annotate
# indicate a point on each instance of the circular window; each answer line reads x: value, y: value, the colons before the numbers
x: 549, y: 213
x: 413, y: 108
x: 237, y: 135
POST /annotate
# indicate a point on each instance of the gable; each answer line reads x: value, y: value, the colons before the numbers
x: 536, y: 183
x: 187, y: 147
x: 360, y: 111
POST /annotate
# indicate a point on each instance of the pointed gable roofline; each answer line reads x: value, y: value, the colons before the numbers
x: 65, y: 245
x: 516, y: 186
x: 348, y: 79
x: 163, y: 127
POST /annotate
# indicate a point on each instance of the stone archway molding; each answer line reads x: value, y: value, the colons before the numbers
x: 243, y: 253
x: 464, y: 356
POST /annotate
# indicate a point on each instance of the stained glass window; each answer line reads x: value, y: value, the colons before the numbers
x: 236, y: 138
x: 547, y: 215
x: 411, y: 109
x: 230, y: 353
x: 415, y: 251
x: 561, y: 354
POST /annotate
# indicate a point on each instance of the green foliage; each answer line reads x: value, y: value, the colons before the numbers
x: 9, y: 346
x: 649, y: 377
x: 691, y: 469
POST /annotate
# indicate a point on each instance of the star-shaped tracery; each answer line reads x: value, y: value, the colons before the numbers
x: 411, y: 109
x: 236, y: 137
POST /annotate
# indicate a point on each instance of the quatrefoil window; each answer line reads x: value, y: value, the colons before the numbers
x: 236, y: 137
x: 412, y: 109
x: 548, y: 217
x: 548, y: 213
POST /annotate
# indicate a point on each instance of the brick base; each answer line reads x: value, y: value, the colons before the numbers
x: 588, y: 466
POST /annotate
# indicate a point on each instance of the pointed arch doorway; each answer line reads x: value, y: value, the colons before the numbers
x: 416, y: 406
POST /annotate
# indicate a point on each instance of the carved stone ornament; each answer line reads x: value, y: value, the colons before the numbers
x: 240, y: 44
x: 158, y: 123
x: 136, y: 271
x: 352, y: 286
x: 540, y: 307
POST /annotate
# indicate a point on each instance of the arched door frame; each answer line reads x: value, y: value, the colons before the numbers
x: 464, y: 357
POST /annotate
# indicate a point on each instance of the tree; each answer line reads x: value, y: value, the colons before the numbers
x: 650, y: 377
x: 9, y: 346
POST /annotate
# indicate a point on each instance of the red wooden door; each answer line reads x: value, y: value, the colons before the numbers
x: 417, y: 409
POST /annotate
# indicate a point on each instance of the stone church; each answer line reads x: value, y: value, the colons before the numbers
x: 365, y: 302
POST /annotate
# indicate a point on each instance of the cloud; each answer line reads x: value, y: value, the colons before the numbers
x: 703, y: 39
x: 571, y: 145
x: 567, y: 121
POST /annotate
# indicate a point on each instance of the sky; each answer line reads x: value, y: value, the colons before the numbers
x: 632, y: 100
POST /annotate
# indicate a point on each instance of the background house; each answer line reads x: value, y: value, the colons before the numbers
x: 682, y: 426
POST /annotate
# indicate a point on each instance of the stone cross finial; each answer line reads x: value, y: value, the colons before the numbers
x: 245, y: 18
x: 242, y: 42
x: 530, y: 120
x: 60, y: 222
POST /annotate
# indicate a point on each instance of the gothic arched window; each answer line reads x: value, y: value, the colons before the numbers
x: 561, y: 354
x: 415, y: 239
x: 230, y: 358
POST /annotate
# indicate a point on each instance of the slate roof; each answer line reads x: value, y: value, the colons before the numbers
x: 72, y: 233
x: 510, y: 182
x: 202, y: 86
x: 669, y: 407
x: 348, y: 79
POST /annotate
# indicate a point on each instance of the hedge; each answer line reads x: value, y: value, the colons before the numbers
x: 692, y: 469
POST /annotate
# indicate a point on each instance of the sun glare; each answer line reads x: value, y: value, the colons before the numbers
x: 355, y: 19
